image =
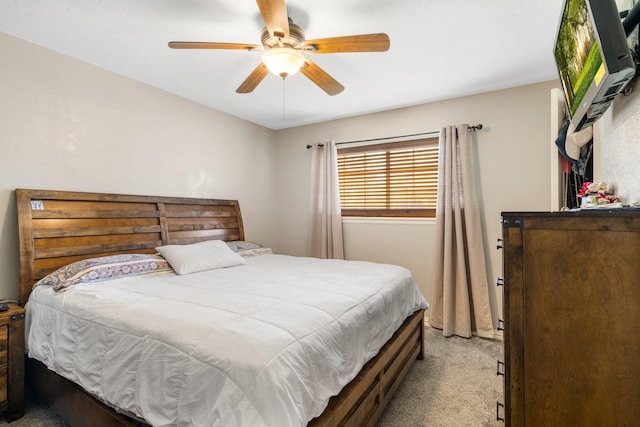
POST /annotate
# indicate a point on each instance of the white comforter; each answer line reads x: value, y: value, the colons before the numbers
x: 263, y: 344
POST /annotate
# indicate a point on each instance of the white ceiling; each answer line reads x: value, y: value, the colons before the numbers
x: 440, y: 49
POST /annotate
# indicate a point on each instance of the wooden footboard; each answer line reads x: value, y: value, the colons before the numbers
x: 363, y: 400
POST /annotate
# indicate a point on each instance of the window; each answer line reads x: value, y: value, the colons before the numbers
x: 398, y: 179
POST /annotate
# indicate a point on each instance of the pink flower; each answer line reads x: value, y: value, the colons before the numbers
x: 606, y: 198
x: 596, y: 193
x: 584, y: 190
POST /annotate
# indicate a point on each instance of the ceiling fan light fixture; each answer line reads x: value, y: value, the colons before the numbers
x: 283, y: 61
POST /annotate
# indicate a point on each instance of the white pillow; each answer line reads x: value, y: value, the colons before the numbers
x: 208, y: 255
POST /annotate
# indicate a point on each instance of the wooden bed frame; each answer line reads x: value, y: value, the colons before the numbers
x: 60, y: 227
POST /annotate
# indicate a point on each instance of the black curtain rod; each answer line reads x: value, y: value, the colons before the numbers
x: 389, y: 137
x: 470, y: 129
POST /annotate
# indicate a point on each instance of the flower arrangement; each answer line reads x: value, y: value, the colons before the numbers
x: 596, y: 194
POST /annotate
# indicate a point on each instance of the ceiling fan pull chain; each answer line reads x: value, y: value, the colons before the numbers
x: 283, y: 100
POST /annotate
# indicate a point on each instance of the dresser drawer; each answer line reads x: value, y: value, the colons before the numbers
x: 12, y: 362
x: 3, y: 385
x: 4, y: 344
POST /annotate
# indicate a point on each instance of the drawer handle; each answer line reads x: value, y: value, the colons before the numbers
x: 17, y: 316
x: 498, y: 370
x: 498, y: 417
x: 500, y: 325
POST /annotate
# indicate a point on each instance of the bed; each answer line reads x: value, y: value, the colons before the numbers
x: 58, y: 228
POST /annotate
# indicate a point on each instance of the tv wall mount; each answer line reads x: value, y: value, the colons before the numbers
x: 631, y: 21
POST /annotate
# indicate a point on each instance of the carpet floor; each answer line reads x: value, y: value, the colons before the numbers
x: 454, y: 386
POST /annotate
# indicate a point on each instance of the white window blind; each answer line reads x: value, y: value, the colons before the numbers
x: 398, y: 179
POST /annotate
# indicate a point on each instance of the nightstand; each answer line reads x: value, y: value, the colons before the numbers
x: 12, y: 362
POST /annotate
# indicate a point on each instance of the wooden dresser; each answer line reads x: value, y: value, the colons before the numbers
x: 572, y: 318
x: 12, y: 362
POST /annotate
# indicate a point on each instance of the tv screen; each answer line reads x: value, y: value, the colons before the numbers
x: 593, y: 58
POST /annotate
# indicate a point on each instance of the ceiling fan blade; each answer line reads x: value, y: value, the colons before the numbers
x: 213, y: 45
x: 321, y: 78
x: 274, y: 13
x: 254, y: 79
x: 378, y: 42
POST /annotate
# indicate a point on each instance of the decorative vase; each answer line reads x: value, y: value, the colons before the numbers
x: 588, y: 201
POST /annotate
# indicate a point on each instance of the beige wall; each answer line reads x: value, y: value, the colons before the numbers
x: 514, y: 174
x: 67, y: 125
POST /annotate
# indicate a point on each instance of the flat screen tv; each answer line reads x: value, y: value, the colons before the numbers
x: 593, y: 58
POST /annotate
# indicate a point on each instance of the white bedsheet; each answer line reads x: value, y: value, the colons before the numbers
x: 263, y: 344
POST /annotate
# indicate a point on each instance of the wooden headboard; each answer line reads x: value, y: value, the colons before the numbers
x: 59, y: 227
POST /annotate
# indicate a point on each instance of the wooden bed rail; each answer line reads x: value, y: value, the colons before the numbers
x: 363, y: 400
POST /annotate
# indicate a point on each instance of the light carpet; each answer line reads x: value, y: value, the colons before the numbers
x: 454, y: 386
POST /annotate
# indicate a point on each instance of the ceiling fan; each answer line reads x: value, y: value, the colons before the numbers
x: 284, y: 46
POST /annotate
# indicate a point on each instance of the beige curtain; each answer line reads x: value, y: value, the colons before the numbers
x: 325, y: 220
x: 460, y: 300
